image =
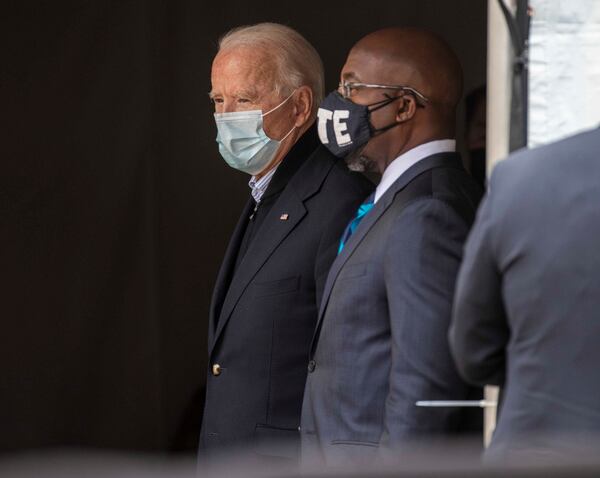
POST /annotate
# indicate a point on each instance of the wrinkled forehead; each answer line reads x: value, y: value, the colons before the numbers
x: 250, y: 68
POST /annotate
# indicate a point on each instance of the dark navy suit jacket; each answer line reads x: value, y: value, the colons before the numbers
x: 264, y: 310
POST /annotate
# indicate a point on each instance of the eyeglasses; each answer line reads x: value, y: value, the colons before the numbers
x: 347, y: 88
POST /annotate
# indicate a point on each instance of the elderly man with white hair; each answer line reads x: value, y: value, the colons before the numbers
x: 267, y: 83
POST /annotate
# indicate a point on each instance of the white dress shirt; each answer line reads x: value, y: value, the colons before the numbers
x: 403, y: 162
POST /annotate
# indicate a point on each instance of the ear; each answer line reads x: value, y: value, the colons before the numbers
x: 407, y: 106
x: 303, y: 103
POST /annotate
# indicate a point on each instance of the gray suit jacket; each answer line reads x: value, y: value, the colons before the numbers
x: 527, y: 309
x: 381, y: 338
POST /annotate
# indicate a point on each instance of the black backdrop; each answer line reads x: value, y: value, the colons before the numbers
x: 115, y: 207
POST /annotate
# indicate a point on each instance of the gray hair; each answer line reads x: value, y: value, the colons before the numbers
x: 298, y: 63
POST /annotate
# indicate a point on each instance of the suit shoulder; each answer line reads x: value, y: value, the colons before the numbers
x: 426, y: 209
x: 426, y: 220
x: 573, y: 155
x: 453, y: 187
x: 454, y: 181
x: 459, y: 190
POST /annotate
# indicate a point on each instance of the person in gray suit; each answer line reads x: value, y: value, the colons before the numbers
x: 381, y: 339
x: 528, y: 299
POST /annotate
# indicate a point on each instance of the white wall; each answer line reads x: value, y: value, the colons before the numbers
x: 564, y: 86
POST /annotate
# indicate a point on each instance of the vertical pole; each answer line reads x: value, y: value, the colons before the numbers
x: 499, y: 84
x: 499, y: 91
x: 490, y: 393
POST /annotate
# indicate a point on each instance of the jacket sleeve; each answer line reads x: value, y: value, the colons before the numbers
x: 479, y: 331
x: 423, y: 255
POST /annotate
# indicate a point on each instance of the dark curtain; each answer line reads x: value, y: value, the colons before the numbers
x: 115, y: 208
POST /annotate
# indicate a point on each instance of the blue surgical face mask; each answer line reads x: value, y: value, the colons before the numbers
x: 243, y: 142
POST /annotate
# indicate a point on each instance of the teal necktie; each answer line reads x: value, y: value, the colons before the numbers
x: 363, y: 209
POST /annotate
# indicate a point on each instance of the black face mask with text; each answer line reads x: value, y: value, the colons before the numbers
x: 345, y: 126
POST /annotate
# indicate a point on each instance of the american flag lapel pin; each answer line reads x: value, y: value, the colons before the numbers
x: 284, y: 217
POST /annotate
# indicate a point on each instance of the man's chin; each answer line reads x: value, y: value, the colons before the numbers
x: 356, y: 161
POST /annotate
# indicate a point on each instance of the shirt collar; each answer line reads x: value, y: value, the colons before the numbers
x: 411, y: 157
x: 259, y: 186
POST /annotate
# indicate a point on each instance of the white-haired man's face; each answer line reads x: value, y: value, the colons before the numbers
x: 245, y: 79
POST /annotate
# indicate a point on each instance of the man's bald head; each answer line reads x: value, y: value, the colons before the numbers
x: 412, y: 58
x: 415, y: 58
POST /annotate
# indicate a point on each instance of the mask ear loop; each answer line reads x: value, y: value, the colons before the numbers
x: 379, y: 105
x: 382, y: 103
x: 289, y: 132
x: 280, y: 104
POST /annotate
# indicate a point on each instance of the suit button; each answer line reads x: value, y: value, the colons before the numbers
x: 311, y: 366
x: 216, y: 369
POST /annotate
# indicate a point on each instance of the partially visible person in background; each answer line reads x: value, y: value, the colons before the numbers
x: 475, y: 134
x: 267, y: 83
x: 526, y: 314
x: 381, y: 340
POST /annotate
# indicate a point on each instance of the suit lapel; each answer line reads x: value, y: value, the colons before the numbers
x: 435, y: 161
x: 224, y: 276
x: 273, y: 231
x: 308, y: 164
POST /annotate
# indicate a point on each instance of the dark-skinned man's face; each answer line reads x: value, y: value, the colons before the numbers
x: 364, y: 67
